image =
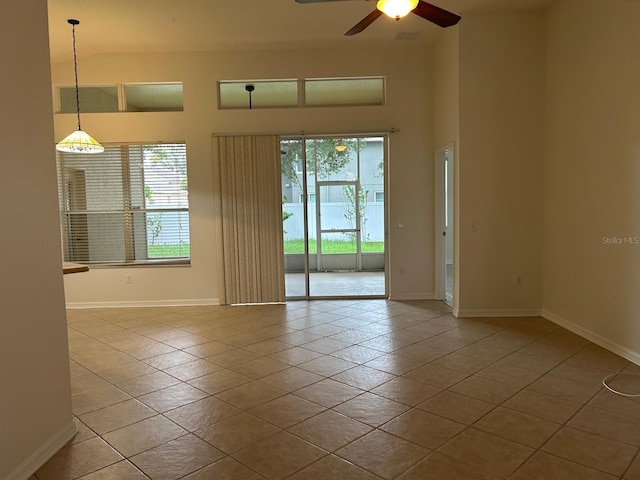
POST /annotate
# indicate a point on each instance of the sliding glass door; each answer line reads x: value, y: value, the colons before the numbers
x: 334, y: 216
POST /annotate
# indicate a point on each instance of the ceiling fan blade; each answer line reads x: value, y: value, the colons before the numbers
x: 364, y: 23
x: 437, y: 15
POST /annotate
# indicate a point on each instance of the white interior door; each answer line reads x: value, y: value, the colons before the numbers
x: 445, y: 224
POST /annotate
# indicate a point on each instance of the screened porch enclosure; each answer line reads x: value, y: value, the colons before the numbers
x: 333, y: 214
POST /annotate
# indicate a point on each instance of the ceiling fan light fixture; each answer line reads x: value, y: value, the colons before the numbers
x: 396, y: 8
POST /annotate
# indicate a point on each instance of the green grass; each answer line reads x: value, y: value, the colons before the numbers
x: 332, y: 246
x: 290, y: 246
x: 169, y: 251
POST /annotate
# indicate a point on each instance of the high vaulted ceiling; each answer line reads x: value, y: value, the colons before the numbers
x: 117, y: 26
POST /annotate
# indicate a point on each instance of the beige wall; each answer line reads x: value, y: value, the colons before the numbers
x: 500, y: 162
x: 447, y: 125
x: 35, y: 398
x: 592, y: 171
x: 547, y: 118
x: 409, y: 109
x: 446, y: 88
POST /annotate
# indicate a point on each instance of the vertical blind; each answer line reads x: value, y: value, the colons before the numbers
x: 247, y: 179
x: 127, y: 205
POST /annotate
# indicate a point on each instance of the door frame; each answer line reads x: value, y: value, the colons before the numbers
x: 320, y: 230
x: 307, y: 212
x: 440, y: 229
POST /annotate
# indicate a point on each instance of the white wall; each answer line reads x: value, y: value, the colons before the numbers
x: 500, y: 162
x: 409, y: 109
x: 35, y: 398
x: 592, y: 171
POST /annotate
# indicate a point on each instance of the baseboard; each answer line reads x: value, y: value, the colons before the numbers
x: 195, y: 302
x: 44, y: 453
x: 525, y: 312
x: 605, y: 343
x: 413, y: 296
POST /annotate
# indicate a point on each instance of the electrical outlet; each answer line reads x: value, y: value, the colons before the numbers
x: 519, y: 279
x: 127, y: 279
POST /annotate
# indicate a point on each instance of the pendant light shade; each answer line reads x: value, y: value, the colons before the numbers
x: 78, y: 141
x: 396, y: 8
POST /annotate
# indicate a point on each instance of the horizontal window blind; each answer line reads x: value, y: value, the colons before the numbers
x: 98, y: 99
x: 294, y: 93
x: 154, y: 98
x: 127, y: 205
x: 265, y: 94
x: 327, y: 92
x: 133, y: 97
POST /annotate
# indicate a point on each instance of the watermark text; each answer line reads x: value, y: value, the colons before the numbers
x: 621, y: 240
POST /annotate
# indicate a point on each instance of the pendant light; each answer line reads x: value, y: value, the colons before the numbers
x: 396, y: 8
x: 339, y: 145
x: 250, y: 89
x: 78, y: 141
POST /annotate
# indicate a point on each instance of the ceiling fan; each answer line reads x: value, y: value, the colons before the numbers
x: 399, y: 8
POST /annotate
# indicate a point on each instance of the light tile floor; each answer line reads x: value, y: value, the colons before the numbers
x: 341, y: 390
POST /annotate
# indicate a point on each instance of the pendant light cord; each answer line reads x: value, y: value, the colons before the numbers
x: 78, y: 141
x: 250, y: 89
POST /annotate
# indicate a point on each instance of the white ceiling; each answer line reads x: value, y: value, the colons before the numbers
x: 116, y: 26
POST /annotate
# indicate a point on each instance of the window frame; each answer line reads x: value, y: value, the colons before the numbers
x: 71, y: 88
x: 121, y: 97
x: 127, y: 212
x: 125, y: 100
x: 352, y: 102
x: 311, y: 197
x: 228, y: 104
x: 301, y: 87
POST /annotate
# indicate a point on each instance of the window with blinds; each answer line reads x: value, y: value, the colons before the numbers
x: 160, y: 97
x: 93, y: 99
x: 333, y: 92
x: 132, y: 97
x: 128, y: 205
x: 294, y: 93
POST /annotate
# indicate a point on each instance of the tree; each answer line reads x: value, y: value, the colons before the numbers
x: 322, y: 156
x: 350, y: 209
x: 154, y: 223
x: 285, y: 215
x: 169, y: 159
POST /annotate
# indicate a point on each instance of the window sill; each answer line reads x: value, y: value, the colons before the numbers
x: 147, y: 263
